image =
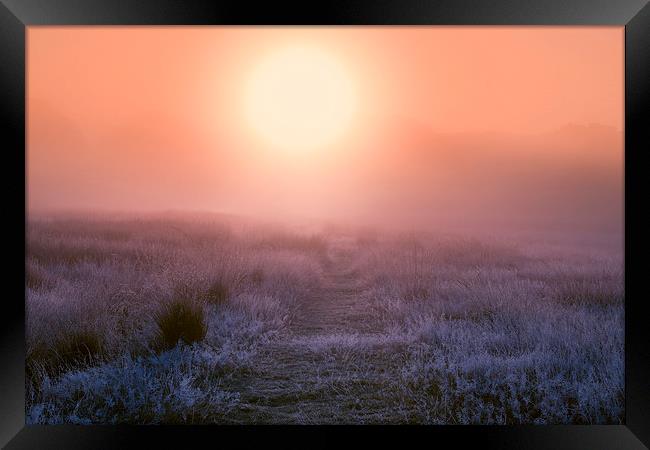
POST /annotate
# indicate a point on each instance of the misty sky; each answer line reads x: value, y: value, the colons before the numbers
x: 457, y: 124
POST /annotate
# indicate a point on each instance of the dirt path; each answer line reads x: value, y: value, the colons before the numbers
x: 337, y: 307
x: 313, y: 374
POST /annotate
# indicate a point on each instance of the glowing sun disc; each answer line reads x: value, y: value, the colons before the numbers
x: 299, y: 98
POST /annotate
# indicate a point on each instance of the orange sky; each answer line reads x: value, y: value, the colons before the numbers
x: 459, y: 122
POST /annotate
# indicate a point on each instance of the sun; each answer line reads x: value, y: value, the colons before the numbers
x: 300, y: 98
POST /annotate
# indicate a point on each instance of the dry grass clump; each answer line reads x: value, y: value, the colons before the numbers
x: 180, y: 320
x: 70, y: 350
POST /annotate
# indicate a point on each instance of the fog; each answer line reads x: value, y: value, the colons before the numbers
x: 114, y: 126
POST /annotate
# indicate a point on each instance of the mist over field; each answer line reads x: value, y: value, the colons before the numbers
x: 213, y: 319
x: 397, y: 172
x: 325, y: 226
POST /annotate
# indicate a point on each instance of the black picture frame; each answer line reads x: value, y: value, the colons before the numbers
x: 16, y: 15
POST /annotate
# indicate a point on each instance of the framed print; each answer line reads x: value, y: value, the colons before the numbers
x: 249, y: 223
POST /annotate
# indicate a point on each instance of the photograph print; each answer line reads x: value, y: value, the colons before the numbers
x: 325, y: 225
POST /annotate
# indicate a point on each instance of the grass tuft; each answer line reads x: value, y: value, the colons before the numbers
x: 78, y: 349
x: 180, y: 320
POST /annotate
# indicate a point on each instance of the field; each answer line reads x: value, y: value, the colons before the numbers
x: 216, y: 319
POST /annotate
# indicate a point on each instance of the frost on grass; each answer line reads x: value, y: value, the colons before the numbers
x: 506, y: 335
x: 112, y: 307
x: 512, y: 369
x: 178, y: 386
x: 179, y: 321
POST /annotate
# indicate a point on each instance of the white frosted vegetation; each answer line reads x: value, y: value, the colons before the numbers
x: 440, y: 329
x: 507, y: 338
